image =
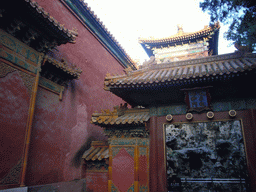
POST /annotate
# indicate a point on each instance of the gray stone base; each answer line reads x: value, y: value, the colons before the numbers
x: 70, y: 186
x: 20, y: 189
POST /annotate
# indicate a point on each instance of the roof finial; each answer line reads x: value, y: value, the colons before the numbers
x: 180, y: 28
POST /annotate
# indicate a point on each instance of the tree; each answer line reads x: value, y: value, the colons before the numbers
x: 240, y: 15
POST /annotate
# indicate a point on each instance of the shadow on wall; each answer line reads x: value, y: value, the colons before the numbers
x: 77, y: 159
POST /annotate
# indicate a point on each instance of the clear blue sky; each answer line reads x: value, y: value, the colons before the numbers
x: 129, y: 20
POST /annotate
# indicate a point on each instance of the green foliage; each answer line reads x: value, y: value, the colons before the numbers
x: 240, y: 15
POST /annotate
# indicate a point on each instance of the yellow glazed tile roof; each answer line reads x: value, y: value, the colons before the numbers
x: 171, y: 72
x: 99, y: 150
x: 69, y: 69
x: 121, y: 117
x: 181, y: 35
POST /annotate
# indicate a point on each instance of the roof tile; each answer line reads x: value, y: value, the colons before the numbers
x: 194, y: 68
x: 99, y: 150
x: 181, y: 36
x: 46, y: 15
x: 121, y: 117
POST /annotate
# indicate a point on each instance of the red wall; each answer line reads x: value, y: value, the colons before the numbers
x: 96, y: 181
x: 62, y: 127
x: 157, y: 165
x: 14, y: 102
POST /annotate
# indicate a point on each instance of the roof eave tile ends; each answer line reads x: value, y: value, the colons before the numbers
x: 173, y: 72
x: 72, y: 70
x: 182, y: 36
x: 98, y: 151
x: 70, y: 35
x: 127, y: 117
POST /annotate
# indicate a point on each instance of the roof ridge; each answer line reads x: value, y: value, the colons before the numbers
x: 122, y: 111
x: 211, y: 67
x: 213, y: 58
x: 181, y: 35
x: 154, y: 66
x: 121, y: 116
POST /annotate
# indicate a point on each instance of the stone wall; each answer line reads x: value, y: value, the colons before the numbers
x: 207, y: 155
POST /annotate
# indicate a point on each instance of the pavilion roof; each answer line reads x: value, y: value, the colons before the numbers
x: 208, y: 33
x: 170, y: 73
x: 181, y: 36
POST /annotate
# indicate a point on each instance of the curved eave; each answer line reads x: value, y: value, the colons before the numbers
x: 26, y: 19
x: 73, y: 72
x: 238, y: 84
x: 63, y: 34
x: 158, y: 85
x: 87, y: 17
x: 182, y: 37
x: 190, y: 71
x: 211, y: 32
x: 98, y: 151
x: 131, y: 118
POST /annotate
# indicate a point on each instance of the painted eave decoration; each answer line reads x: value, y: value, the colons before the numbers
x: 99, y: 150
x: 120, y: 117
x: 33, y: 25
x: 172, y: 73
x: 61, y: 69
x: 97, y: 28
x: 181, y: 36
x: 208, y: 32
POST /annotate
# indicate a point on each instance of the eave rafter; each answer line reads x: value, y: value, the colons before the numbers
x: 34, y: 26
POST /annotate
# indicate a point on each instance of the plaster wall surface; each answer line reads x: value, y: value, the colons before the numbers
x: 96, y: 181
x: 14, y: 102
x: 61, y: 128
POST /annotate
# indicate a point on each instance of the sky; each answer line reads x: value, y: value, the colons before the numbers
x: 129, y: 20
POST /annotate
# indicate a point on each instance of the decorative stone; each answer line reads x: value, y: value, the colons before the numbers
x: 232, y: 113
x: 207, y: 151
x: 169, y: 117
x: 210, y: 115
x: 189, y: 116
